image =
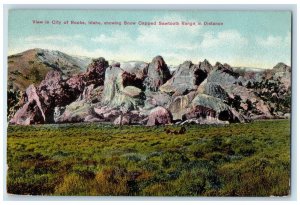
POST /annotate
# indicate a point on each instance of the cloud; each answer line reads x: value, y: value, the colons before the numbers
x: 62, y: 38
x: 227, y: 38
x: 175, y: 43
x: 116, y: 37
x: 274, y: 41
x: 169, y: 37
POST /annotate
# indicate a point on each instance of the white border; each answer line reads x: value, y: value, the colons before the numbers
x: 214, y: 5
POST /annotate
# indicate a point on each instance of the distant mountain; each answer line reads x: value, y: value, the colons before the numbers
x: 31, y: 67
x: 248, y: 69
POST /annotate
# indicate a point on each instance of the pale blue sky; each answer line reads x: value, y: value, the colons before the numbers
x: 251, y: 39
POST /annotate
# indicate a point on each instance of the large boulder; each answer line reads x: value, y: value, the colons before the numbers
x: 157, y: 74
x: 116, y: 95
x: 81, y: 109
x: 107, y: 113
x: 223, y: 75
x: 54, y: 92
x: 76, y: 83
x: 75, y: 112
x: 96, y: 71
x: 137, y: 118
x: 132, y: 91
x: 91, y: 94
x: 187, y: 77
x: 136, y: 72
x: 200, y: 112
x: 179, y: 106
x: 154, y: 99
x: 122, y: 120
x: 159, y: 116
x: 211, y: 102
x: 41, y: 101
x: 53, y: 89
x: 31, y: 112
x: 208, y: 106
x: 216, y: 90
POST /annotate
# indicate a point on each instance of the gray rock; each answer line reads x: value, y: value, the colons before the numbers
x: 287, y: 115
x: 58, y: 111
x: 115, y: 94
x: 107, y: 113
x: 157, y: 74
x: 159, y: 116
x: 210, y: 102
x: 179, y: 106
x: 215, y: 90
x: 208, y: 106
x: 122, y: 120
x: 91, y: 118
x: 154, y: 99
x: 223, y: 75
x: 187, y: 77
x: 75, y: 112
x: 132, y: 91
x: 91, y: 94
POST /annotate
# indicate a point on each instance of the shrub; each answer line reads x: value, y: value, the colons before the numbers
x: 72, y: 185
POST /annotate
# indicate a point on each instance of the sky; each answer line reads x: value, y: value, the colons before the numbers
x: 246, y: 38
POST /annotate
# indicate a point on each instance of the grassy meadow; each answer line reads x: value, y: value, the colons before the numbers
x: 250, y: 159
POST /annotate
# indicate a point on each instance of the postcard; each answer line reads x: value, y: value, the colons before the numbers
x: 149, y: 103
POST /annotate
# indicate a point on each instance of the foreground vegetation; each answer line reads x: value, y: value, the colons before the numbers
x: 94, y: 159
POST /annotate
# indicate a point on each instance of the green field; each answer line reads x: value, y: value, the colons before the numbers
x: 250, y: 159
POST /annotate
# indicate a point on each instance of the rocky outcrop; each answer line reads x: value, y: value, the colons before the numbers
x: 154, y: 99
x: 208, y: 106
x: 159, y: 116
x: 215, y: 90
x: 76, y: 83
x: 116, y: 95
x: 95, y: 72
x: 281, y: 67
x: 186, y: 78
x: 54, y: 93
x: 32, y: 111
x: 179, y: 106
x: 136, y: 92
x: 157, y: 74
x: 223, y: 75
x: 75, y: 112
x: 107, y: 113
x: 31, y: 67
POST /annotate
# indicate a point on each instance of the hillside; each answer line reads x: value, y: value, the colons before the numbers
x: 31, y: 67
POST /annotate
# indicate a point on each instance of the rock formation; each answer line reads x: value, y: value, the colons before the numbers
x: 135, y: 92
x: 186, y: 78
x: 159, y: 116
x: 157, y: 74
